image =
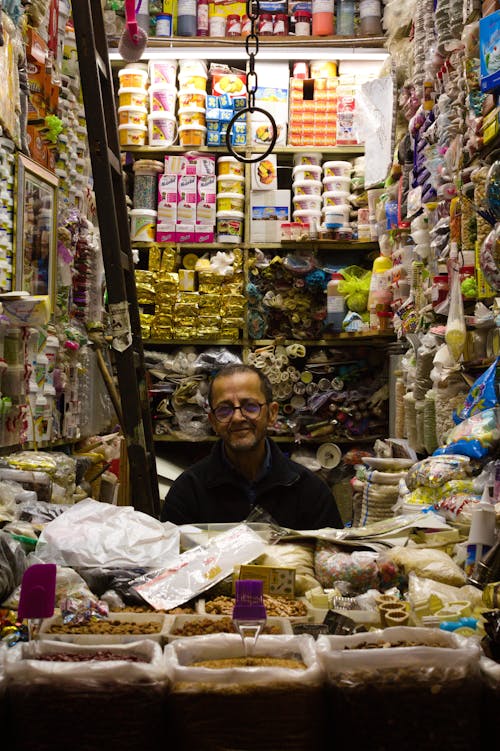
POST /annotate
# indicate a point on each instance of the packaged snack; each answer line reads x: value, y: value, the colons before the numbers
x: 482, y: 394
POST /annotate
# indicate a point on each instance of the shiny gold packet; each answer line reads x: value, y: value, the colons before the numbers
x: 154, y: 258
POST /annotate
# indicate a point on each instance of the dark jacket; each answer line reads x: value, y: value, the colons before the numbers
x: 212, y: 491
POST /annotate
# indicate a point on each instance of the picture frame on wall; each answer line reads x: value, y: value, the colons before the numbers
x: 35, y: 228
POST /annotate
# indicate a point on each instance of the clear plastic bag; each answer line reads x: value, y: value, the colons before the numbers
x: 456, y: 333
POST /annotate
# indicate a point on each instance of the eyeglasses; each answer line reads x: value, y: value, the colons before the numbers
x: 249, y: 408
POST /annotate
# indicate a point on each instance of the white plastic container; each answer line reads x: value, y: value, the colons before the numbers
x: 162, y: 129
x: 132, y: 115
x: 132, y: 135
x: 307, y: 157
x: 130, y: 97
x: 307, y: 202
x: 306, y: 172
x: 335, y: 197
x: 230, y: 202
x: 162, y: 98
x: 163, y: 72
x: 338, y: 168
x: 230, y: 226
x: 230, y: 183
x: 191, y: 116
x: 229, y: 165
x: 162, y: 622
x: 136, y: 78
x: 307, y: 187
x: 192, y: 135
x: 193, y: 67
x: 308, y: 216
x: 336, y: 216
x: 142, y: 225
x: 336, y: 182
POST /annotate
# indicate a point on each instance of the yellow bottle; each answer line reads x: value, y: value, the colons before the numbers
x: 380, y: 294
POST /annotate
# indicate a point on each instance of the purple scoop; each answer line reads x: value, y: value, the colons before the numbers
x: 249, y: 605
x: 38, y: 591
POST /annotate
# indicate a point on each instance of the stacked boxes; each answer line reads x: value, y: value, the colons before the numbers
x: 220, y: 111
x: 43, y: 98
x: 187, y: 199
x: 313, y: 112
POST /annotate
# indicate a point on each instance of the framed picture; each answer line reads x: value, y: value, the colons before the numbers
x: 35, y: 228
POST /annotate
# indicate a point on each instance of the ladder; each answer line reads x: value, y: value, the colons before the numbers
x: 127, y: 348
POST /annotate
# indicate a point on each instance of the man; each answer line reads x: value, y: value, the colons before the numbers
x: 245, y: 468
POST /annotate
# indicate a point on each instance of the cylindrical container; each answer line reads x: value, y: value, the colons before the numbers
x: 131, y: 97
x: 306, y: 172
x: 339, y: 169
x: 335, y: 182
x: 363, y: 215
x: 163, y: 72
x: 307, y: 157
x: 230, y: 202
x: 162, y: 98
x: 133, y: 78
x: 186, y: 18
x: 307, y: 216
x: 233, y: 25
x: 323, y: 21
x: 370, y: 12
x: 364, y: 232
x: 192, y: 135
x: 307, y: 187
x: 142, y: 225
x: 162, y: 129
x: 132, y: 115
x: 229, y: 165
x: 306, y: 202
x: 193, y: 67
x: 195, y: 98
x: 202, y: 18
x: 335, y: 304
x: 146, y: 173
x: 335, y: 198
x: 217, y: 25
x: 164, y: 25
x: 280, y: 24
x: 132, y: 135
x: 265, y: 24
x: 191, y: 116
x: 303, y: 20
x: 231, y: 184
x: 323, y: 69
x: 246, y: 25
x: 229, y: 226
x: 192, y: 82
x: 345, y: 18
x: 336, y: 216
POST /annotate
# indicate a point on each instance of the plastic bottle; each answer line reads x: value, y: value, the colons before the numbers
x: 323, y: 21
x: 345, y: 18
x: 202, y: 18
x: 380, y: 294
x: 186, y: 18
x: 481, y: 534
x: 335, y: 304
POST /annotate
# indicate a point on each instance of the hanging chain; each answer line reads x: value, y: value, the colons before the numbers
x: 252, y: 48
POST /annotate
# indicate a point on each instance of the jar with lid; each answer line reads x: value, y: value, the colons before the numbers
x: 265, y: 24
x: 302, y: 23
x: 246, y: 26
x: 280, y: 25
x: 323, y: 19
x: 233, y: 25
x: 345, y: 18
x: 370, y: 12
x: 335, y: 304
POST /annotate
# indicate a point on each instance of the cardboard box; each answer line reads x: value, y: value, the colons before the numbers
x: 265, y: 173
x: 166, y: 233
x: 277, y: 580
x: 187, y: 199
x: 268, y: 208
x: 167, y: 198
x: 206, y: 200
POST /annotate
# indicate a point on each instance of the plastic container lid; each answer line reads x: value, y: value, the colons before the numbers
x: 334, y: 164
x: 230, y: 214
x: 132, y: 126
x: 133, y: 69
x: 132, y: 90
x: 162, y: 87
x: 191, y: 92
x: 162, y: 115
x: 341, y: 179
x: 342, y: 194
x: 339, y: 208
x: 238, y: 196
x: 316, y: 168
x: 312, y: 157
x: 305, y: 197
x: 305, y: 213
x: 307, y: 184
x: 147, y: 166
x: 136, y: 66
x: 143, y: 212
x: 133, y: 108
x: 191, y: 127
x: 186, y: 110
x: 228, y: 159
x: 235, y: 178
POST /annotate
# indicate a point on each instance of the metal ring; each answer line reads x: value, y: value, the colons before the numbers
x: 259, y: 157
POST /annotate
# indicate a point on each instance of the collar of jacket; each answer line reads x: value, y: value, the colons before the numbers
x: 281, y: 473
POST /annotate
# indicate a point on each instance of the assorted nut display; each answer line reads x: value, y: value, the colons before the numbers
x: 279, y: 606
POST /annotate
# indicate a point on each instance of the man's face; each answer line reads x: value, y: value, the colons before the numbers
x: 241, y: 433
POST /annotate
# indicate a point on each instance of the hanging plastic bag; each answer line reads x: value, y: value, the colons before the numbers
x: 482, y: 394
x: 456, y: 334
x: 355, y: 288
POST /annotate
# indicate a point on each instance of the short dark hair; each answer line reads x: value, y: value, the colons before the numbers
x: 230, y: 370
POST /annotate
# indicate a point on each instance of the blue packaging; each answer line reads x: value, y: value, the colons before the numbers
x: 212, y: 101
x: 489, y: 51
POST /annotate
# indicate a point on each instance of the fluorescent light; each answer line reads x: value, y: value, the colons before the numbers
x: 169, y: 52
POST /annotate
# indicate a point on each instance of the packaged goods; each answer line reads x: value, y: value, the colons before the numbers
x: 132, y: 135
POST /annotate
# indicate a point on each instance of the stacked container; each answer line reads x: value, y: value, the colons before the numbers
x: 162, y: 125
x: 336, y: 191
x: 306, y: 185
x: 145, y: 198
x: 132, y: 109
x: 230, y: 199
x: 192, y: 102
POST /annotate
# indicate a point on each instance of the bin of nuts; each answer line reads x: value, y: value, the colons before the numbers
x: 202, y: 625
x: 118, y: 628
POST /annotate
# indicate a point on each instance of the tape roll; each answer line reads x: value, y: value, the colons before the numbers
x: 329, y: 455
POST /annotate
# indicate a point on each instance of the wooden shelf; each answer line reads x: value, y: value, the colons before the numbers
x: 355, y: 150
x: 341, y: 245
x: 325, y: 342
x: 265, y: 42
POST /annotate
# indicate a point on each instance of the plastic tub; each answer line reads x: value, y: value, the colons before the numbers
x: 335, y: 197
x: 162, y: 129
x: 163, y: 72
x: 132, y: 115
x: 307, y: 187
x: 192, y: 135
x: 307, y: 216
x: 194, y: 98
x: 146, y: 173
x: 229, y: 226
x: 135, y: 78
x: 229, y: 165
x: 364, y: 232
x: 193, y: 67
x: 130, y: 97
x: 191, y: 82
x: 335, y: 182
x: 307, y: 202
x: 162, y: 98
x: 307, y: 157
x: 336, y: 216
x: 132, y: 135
x: 142, y: 225
x: 230, y: 202
x: 306, y: 172
x: 231, y: 184
x: 340, y: 169
x: 191, y: 116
